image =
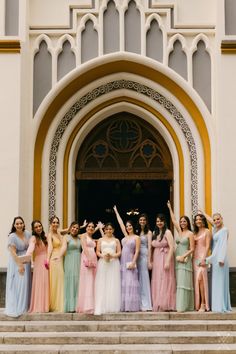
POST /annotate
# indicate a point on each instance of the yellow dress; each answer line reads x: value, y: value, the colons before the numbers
x: 56, y: 278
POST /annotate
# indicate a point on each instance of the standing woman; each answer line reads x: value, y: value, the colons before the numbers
x: 18, y: 285
x: 107, y: 282
x: 72, y: 267
x: 202, y: 239
x: 130, y: 293
x: 220, y: 299
x: 183, y: 262
x: 85, y: 303
x: 144, y: 262
x: 56, y: 249
x: 40, y: 285
x: 163, y: 285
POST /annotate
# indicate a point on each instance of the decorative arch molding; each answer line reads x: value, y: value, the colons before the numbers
x: 103, y: 90
x: 113, y: 64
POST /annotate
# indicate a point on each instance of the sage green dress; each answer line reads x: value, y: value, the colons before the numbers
x: 184, y: 277
x: 72, y: 271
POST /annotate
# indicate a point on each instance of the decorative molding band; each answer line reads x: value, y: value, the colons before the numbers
x: 100, y: 91
x: 228, y: 47
x: 10, y: 46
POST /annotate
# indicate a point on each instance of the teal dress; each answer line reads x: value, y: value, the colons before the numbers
x: 184, y: 277
x: 72, y: 271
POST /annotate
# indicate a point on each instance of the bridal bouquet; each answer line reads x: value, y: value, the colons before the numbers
x: 107, y: 252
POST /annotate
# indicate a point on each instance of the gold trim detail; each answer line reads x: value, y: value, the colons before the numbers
x: 10, y: 46
x: 99, y: 72
x: 228, y: 47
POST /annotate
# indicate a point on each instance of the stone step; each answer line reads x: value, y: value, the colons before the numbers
x: 118, y: 338
x: 146, y: 316
x: 121, y: 349
x: 114, y: 326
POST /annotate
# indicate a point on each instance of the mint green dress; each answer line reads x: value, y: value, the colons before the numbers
x: 184, y: 277
x: 72, y: 271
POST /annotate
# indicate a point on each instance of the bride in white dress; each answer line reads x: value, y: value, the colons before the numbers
x: 107, y: 282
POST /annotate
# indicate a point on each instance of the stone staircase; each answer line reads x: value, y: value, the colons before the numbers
x: 164, y: 333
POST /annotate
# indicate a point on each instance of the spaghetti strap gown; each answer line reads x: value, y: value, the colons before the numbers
x: 130, y: 289
x: 184, y: 277
x: 163, y: 284
x: 199, y: 254
x: 18, y: 286
x: 56, y: 278
x: 107, y: 282
x: 86, y: 303
x: 72, y: 270
x: 143, y: 275
x: 220, y: 299
x: 40, y: 285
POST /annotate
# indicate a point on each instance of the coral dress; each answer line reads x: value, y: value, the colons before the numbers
x: 86, y: 296
x: 56, y: 278
x: 184, y: 277
x: 199, y: 254
x: 40, y: 285
x: 107, y: 282
x: 130, y: 289
x: 163, y: 285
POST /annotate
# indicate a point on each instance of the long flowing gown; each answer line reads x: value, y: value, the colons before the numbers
x: 220, y: 300
x: 184, y: 277
x: 163, y: 284
x: 86, y: 303
x: 18, y: 286
x: 130, y: 293
x: 199, y: 254
x: 143, y: 275
x: 107, y: 282
x: 56, y: 278
x: 72, y: 270
x: 40, y: 286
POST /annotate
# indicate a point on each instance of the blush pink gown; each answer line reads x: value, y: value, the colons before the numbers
x: 163, y: 284
x: 86, y: 297
x: 199, y: 254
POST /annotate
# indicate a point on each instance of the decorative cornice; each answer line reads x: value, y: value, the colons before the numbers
x: 228, y: 47
x: 10, y: 46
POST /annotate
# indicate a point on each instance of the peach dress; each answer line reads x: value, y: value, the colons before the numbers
x: 40, y: 286
x: 86, y: 298
x: 199, y: 254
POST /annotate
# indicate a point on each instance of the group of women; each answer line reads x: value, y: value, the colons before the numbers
x: 110, y: 277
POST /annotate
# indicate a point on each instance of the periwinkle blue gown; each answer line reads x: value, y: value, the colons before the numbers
x: 18, y: 286
x: 143, y: 275
x: 220, y: 275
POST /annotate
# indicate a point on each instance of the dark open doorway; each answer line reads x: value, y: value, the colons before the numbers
x: 95, y: 199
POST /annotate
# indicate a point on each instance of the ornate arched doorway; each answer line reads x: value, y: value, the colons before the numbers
x: 123, y: 161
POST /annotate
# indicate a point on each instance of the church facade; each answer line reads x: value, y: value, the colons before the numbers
x: 116, y: 95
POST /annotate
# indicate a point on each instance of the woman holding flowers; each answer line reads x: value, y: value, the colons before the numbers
x: 107, y: 282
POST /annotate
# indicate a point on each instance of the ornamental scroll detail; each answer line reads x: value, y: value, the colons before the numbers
x: 140, y: 89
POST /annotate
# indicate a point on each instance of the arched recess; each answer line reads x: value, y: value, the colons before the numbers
x: 96, y: 71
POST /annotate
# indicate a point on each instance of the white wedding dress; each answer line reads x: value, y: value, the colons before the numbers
x: 107, y: 281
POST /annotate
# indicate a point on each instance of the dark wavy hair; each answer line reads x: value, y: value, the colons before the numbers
x: 131, y: 223
x: 42, y: 236
x: 146, y: 227
x: 204, y: 220
x: 157, y: 230
x: 109, y: 224
x: 13, y: 229
x: 188, y: 222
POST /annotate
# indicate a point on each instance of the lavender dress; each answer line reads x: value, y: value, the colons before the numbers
x: 130, y: 293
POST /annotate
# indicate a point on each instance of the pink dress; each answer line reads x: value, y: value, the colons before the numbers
x: 40, y: 287
x: 86, y: 295
x: 199, y: 254
x: 163, y: 284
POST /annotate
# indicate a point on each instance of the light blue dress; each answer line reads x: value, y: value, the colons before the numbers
x: 18, y: 286
x: 143, y: 275
x: 220, y: 275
